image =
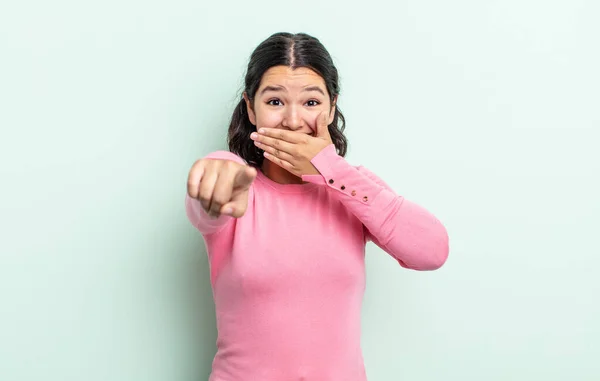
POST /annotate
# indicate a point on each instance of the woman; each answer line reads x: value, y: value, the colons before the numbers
x: 285, y: 220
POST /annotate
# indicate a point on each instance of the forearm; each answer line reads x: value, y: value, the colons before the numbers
x: 403, y: 229
x: 412, y: 235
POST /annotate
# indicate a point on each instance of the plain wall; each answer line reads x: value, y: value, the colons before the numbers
x: 484, y: 112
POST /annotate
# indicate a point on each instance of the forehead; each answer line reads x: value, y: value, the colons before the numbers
x: 291, y: 78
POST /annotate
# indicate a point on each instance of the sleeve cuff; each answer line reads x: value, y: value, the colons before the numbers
x: 322, y: 162
x: 339, y: 175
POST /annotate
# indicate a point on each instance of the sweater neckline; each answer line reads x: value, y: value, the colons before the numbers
x: 284, y: 188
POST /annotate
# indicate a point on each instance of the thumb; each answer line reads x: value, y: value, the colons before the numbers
x: 244, y: 177
x: 238, y: 204
x: 322, y: 130
x: 237, y: 207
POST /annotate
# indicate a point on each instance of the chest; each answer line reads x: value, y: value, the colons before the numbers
x: 311, y: 242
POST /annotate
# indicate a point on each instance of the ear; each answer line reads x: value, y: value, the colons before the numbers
x: 332, y: 111
x: 251, y: 114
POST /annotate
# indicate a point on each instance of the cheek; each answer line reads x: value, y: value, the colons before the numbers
x: 267, y: 118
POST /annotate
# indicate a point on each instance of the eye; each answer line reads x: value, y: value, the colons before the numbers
x: 274, y: 102
x: 313, y: 102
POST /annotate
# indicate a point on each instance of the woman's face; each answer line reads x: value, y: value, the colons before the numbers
x: 290, y: 99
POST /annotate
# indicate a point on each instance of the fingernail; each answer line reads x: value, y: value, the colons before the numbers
x: 253, y: 135
x: 262, y: 130
x: 227, y: 211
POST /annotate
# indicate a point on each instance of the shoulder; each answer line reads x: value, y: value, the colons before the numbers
x: 225, y: 155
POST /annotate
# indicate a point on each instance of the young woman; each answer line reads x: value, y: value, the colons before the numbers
x: 285, y: 219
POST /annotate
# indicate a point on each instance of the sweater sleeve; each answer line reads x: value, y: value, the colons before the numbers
x: 403, y: 229
x: 196, y: 214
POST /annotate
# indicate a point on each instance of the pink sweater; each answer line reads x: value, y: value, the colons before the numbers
x: 288, y: 277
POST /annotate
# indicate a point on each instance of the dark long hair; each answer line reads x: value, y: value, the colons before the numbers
x: 292, y: 50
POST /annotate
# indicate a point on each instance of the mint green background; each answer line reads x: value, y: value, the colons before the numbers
x: 485, y: 112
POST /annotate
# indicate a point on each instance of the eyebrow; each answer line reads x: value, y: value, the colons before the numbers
x: 272, y: 88
x: 281, y: 88
x: 314, y: 88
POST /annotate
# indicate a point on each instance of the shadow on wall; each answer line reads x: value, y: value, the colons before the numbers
x: 184, y: 300
x: 192, y: 280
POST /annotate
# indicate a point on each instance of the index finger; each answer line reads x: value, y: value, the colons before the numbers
x: 288, y: 136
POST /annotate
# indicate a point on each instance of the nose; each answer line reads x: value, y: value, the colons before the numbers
x: 292, y: 118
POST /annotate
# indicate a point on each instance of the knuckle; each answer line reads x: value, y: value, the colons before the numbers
x: 198, y: 163
x: 232, y: 165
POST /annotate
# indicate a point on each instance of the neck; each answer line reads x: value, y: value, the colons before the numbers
x: 278, y: 174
